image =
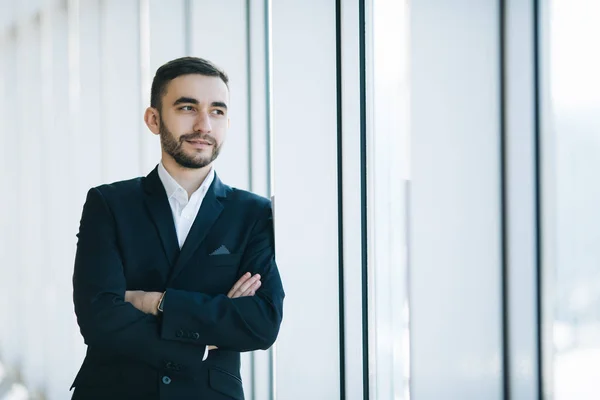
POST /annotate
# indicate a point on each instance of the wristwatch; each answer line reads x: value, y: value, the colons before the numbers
x: 161, y: 303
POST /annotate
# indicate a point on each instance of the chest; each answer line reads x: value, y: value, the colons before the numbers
x: 212, y: 267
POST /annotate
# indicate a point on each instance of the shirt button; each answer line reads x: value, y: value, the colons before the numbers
x: 166, y: 380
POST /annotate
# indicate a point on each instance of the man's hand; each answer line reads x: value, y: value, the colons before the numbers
x: 247, y: 285
x: 146, y: 302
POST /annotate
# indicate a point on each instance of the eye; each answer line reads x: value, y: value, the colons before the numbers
x: 186, y: 108
x: 218, y: 112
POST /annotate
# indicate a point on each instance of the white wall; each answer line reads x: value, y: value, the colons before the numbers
x: 455, y: 234
x: 305, y: 188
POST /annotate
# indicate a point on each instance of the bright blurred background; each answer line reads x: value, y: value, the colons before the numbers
x: 432, y: 164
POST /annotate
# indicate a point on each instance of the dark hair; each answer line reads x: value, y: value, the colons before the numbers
x: 178, y: 67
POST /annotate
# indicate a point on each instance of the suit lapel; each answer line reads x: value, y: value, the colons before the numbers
x: 209, y: 212
x: 161, y: 214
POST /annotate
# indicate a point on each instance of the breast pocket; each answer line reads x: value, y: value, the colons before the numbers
x: 211, y: 274
x: 224, y: 260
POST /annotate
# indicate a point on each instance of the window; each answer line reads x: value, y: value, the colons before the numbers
x: 388, y: 177
x: 571, y: 195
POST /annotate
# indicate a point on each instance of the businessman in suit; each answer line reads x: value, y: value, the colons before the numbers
x: 175, y: 272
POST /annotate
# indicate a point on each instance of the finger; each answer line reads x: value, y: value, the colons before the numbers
x: 239, y: 283
x: 244, y: 288
x: 252, y: 289
x: 248, y: 284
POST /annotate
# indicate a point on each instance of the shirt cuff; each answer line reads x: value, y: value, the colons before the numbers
x: 205, y: 353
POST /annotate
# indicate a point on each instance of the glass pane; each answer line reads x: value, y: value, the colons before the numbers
x: 571, y: 156
x: 388, y: 183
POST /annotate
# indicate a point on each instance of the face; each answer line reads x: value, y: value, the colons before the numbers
x: 193, y: 121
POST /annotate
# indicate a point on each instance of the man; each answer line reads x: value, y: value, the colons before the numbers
x: 175, y: 272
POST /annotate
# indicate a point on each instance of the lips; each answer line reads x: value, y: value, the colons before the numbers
x: 199, y: 143
x: 204, y: 142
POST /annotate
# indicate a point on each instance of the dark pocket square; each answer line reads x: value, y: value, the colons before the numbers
x: 220, y: 251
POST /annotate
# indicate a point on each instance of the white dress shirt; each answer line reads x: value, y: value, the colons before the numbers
x: 184, y: 209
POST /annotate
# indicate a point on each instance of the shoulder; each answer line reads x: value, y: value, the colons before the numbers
x: 250, y: 209
x: 248, y: 199
x: 119, y: 190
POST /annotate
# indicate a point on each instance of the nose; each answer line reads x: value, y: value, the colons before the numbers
x: 202, y: 123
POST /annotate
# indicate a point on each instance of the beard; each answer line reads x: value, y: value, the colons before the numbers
x: 192, y: 159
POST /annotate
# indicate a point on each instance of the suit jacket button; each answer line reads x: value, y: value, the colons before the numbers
x: 196, y: 336
x: 179, y: 334
x: 166, y: 380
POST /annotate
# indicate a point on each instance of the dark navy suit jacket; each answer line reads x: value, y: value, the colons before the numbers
x: 127, y: 241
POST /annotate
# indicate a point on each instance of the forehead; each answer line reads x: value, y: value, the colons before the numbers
x: 205, y: 89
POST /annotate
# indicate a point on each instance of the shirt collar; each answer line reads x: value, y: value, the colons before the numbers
x: 172, y: 188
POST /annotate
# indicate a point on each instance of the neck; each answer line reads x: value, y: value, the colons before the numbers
x: 189, y: 178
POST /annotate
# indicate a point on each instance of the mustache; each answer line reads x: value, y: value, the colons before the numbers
x: 198, y: 136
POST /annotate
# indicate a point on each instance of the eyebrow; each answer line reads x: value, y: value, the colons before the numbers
x: 219, y: 104
x: 191, y: 100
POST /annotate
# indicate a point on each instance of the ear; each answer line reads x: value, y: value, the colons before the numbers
x: 152, y: 120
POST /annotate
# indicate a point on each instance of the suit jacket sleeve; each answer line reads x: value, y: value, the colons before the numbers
x: 241, y: 324
x: 106, y: 321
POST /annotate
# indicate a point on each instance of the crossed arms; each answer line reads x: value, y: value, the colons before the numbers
x: 109, y: 322
x: 148, y: 302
